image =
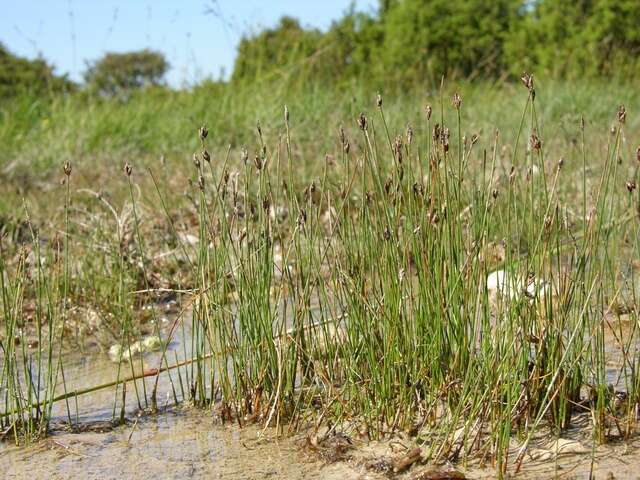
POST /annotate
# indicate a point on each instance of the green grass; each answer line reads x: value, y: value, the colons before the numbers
x: 339, y: 277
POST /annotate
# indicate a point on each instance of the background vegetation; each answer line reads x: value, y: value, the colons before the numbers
x: 414, y: 42
x: 402, y: 50
x: 384, y: 211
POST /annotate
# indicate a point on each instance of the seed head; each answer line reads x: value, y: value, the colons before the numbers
x: 286, y: 114
x: 259, y: 128
x: 379, y: 101
x: 535, y: 142
x: 428, y: 110
x: 638, y: 154
x: 397, y: 149
x: 387, y: 185
x: 206, y: 156
x: 244, y: 155
x: 196, y: 160
x: 362, y: 122
x: 128, y: 169
x: 67, y: 168
x: 368, y: 196
x: 203, y: 132
x: 631, y: 186
x: 494, y: 193
x: 457, y: 101
x: 258, y: 162
x: 387, y: 233
x: 622, y: 114
x: 527, y: 81
x: 409, y: 134
x: 302, y: 217
x: 201, y: 183
x: 445, y: 139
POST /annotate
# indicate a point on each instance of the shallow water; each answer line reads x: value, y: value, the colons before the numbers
x: 187, y: 443
x: 173, y: 445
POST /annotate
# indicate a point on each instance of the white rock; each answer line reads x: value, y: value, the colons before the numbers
x: 501, y: 283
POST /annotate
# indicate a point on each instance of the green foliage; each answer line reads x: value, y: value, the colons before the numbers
x: 433, y: 37
x: 116, y: 73
x: 589, y: 37
x: 273, y: 48
x: 416, y: 41
x: 35, y: 77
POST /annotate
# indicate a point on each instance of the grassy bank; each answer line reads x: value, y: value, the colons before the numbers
x: 459, y: 268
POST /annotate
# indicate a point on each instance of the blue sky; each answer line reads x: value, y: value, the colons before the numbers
x: 199, y: 37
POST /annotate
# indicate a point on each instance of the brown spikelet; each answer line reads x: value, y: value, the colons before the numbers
x: 258, y: 162
x: 535, y: 142
x: 362, y: 122
x: 631, y: 186
x: 409, y: 134
x: 527, y: 80
x: 445, y: 139
x: 456, y: 101
x: 203, y: 132
x: 397, y: 149
x: 436, y: 132
x: 302, y: 217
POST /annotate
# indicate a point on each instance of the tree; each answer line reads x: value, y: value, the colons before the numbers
x: 569, y: 39
x: 20, y: 75
x: 285, y: 45
x: 430, y: 38
x: 117, y: 73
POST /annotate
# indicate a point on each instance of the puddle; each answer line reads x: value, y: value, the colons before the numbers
x: 84, y: 370
x: 189, y: 443
x: 173, y: 445
x: 185, y: 443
